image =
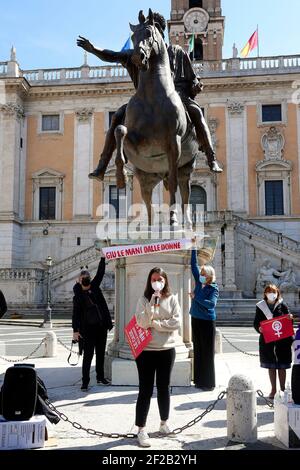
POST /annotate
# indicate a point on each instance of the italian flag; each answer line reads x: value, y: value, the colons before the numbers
x: 192, y: 44
x: 251, y: 44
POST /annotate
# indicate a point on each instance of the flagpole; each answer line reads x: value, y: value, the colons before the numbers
x: 258, y: 55
x: 193, y: 47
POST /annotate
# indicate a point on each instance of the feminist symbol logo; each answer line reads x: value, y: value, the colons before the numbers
x: 277, y: 326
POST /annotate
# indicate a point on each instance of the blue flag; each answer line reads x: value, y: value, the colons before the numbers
x: 127, y: 45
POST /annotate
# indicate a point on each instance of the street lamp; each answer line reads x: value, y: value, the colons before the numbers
x: 47, y: 316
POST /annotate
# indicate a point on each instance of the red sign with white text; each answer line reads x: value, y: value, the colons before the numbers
x: 137, y: 337
x: 278, y: 328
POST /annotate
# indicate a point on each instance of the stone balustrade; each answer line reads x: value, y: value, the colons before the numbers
x: 73, y: 262
x: 22, y: 285
x: 20, y: 274
x: 116, y: 73
x: 267, y: 234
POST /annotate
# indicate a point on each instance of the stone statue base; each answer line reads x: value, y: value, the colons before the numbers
x: 131, y: 277
x: 130, y: 281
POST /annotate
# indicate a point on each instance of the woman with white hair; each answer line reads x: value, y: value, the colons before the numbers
x: 203, y: 313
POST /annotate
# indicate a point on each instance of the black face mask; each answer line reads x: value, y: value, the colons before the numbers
x: 86, y: 281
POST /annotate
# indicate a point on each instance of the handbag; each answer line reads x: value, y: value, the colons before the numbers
x: 79, y: 353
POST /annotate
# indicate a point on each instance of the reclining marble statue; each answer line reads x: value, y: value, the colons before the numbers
x: 162, y: 128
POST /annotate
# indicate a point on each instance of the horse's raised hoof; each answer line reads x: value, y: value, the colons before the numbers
x: 214, y: 167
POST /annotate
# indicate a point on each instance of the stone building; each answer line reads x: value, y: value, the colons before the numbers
x: 52, y: 129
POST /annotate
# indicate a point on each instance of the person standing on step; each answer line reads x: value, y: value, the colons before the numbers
x: 203, y: 313
x: 160, y: 311
x: 91, y: 322
x: 277, y: 355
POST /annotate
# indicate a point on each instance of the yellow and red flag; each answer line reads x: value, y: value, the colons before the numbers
x: 251, y: 44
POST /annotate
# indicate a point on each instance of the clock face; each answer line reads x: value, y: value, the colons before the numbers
x: 196, y: 20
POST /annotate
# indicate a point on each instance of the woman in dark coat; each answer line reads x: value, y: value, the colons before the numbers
x: 91, y: 321
x: 278, y: 354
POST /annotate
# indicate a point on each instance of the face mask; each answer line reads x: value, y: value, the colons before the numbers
x: 158, y: 286
x: 202, y: 279
x: 86, y: 281
x: 272, y: 297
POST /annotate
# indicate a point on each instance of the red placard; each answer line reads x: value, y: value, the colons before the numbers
x: 137, y: 337
x: 278, y: 328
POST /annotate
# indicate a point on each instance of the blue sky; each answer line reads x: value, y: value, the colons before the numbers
x: 44, y: 32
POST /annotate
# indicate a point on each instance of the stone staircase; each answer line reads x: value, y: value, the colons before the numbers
x: 269, y: 241
x: 237, y: 312
x: 72, y: 263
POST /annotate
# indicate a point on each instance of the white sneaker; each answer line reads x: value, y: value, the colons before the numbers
x: 164, y: 429
x: 143, y: 439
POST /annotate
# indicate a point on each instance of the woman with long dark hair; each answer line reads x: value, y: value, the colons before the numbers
x: 159, y: 310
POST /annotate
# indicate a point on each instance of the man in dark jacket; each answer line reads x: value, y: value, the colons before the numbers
x: 3, y: 305
x: 91, y: 321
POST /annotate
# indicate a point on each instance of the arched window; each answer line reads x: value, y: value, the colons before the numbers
x: 195, y: 4
x: 198, y: 202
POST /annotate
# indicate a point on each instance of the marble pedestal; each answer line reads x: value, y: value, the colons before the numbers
x: 130, y: 281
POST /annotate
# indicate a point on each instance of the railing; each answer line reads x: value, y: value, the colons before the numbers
x: 227, y: 67
x: 78, y: 259
x: 267, y: 234
x: 11, y: 274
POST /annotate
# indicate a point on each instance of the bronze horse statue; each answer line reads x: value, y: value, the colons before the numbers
x: 157, y: 136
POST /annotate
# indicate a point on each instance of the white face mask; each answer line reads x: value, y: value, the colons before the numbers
x: 271, y: 297
x: 158, y: 286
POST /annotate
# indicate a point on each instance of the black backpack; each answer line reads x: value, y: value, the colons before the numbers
x: 19, y: 393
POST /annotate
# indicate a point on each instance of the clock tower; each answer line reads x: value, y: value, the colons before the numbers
x: 204, y: 20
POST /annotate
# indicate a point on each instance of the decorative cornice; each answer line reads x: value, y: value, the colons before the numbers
x: 46, y: 92
x: 12, y: 110
x: 282, y: 165
x: 84, y: 114
x: 235, y: 108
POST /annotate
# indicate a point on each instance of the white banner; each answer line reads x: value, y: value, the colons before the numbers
x: 115, y: 252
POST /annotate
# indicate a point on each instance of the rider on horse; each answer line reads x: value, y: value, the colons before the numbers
x: 186, y: 84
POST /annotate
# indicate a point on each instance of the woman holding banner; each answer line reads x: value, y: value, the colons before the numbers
x: 91, y: 321
x: 159, y: 310
x: 203, y: 313
x: 276, y: 355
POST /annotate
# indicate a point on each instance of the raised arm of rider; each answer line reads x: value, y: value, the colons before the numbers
x: 111, y: 56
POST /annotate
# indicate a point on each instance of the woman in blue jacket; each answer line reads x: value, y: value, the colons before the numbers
x: 203, y: 314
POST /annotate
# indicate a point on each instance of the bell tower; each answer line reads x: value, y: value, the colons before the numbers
x: 204, y: 20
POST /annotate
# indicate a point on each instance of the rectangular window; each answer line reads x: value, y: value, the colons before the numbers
x: 50, y: 122
x: 195, y: 3
x: 272, y: 113
x: 47, y: 204
x: 274, y: 197
x: 117, y: 199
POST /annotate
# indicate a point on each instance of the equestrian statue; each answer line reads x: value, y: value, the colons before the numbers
x: 162, y: 128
